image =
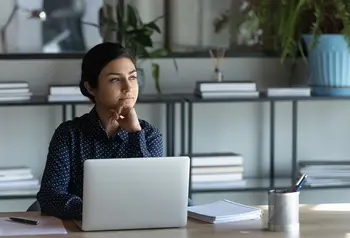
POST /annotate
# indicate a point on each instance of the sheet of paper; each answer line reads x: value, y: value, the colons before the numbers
x: 47, y: 226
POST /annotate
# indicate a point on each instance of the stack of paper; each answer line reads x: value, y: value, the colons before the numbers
x: 18, y: 181
x: 226, y: 89
x: 66, y: 93
x: 14, y: 91
x: 325, y: 172
x: 217, y: 171
x: 224, y: 211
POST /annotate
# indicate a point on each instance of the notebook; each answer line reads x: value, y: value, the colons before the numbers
x: 224, y: 211
x: 47, y: 226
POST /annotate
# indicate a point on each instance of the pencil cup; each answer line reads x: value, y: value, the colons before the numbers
x: 283, y: 211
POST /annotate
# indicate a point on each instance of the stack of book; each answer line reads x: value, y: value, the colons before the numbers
x: 226, y: 89
x: 18, y: 181
x: 325, y: 173
x: 14, y: 91
x: 289, y: 92
x: 224, y: 211
x: 65, y: 93
x: 217, y: 171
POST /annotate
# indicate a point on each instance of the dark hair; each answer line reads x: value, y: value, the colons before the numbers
x: 96, y: 59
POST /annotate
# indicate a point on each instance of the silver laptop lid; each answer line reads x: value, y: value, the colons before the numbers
x: 135, y: 193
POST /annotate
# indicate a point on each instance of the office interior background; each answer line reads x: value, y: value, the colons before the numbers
x: 244, y: 127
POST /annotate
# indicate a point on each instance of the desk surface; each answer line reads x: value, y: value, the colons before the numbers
x: 317, y: 221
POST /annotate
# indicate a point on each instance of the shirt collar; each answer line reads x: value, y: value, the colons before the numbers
x: 97, y: 126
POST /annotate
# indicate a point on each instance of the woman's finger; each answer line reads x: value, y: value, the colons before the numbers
x: 119, y: 108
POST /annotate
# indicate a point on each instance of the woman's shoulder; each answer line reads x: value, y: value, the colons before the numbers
x: 70, y: 127
x: 148, y: 127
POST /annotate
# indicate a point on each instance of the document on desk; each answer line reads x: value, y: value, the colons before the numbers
x: 224, y: 211
x: 47, y: 226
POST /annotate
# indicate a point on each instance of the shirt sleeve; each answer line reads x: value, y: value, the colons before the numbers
x: 148, y: 142
x: 53, y: 196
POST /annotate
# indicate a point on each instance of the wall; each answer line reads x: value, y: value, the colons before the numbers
x: 241, y: 127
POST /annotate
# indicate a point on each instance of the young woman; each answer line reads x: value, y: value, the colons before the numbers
x: 110, y: 130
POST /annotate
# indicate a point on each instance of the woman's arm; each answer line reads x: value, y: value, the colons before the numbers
x: 53, y: 196
x: 148, y: 142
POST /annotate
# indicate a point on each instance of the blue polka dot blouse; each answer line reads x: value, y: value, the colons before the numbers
x: 80, y: 139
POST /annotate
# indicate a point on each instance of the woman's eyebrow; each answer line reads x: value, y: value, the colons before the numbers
x: 132, y: 71
x: 120, y: 74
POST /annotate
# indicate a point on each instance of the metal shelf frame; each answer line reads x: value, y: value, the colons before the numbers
x: 171, y: 100
x: 192, y: 100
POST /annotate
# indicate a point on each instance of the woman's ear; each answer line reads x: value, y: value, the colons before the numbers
x: 89, y: 89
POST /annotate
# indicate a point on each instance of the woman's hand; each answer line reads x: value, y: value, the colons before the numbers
x: 127, y: 118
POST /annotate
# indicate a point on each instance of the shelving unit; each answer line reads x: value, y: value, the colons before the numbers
x: 169, y: 100
x: 260, y: 184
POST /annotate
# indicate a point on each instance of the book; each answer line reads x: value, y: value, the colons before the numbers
x: 224, y: 211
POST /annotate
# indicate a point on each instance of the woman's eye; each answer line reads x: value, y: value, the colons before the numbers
x: 133, y: 78
x: 115, y: 79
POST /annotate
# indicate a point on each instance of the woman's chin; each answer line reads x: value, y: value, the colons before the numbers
x: 128, y: 102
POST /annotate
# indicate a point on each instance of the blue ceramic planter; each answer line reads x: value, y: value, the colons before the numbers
x: 329, y: 65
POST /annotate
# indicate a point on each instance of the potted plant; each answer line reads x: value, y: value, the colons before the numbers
x: 318, y: 30
x: 122, y: 23
x: 242, y: 23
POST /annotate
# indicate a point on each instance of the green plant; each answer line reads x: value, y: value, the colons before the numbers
x: 287, y: 20
x: 123, y: 24
x: 246, y: 25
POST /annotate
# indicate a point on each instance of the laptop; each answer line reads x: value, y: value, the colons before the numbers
x: 135, y: 193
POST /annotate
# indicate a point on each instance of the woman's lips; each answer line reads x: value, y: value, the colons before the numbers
x: 126, y: 98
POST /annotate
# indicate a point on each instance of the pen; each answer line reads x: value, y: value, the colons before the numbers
x: 297, y: 183
x: 300, y: 184
x: 22, y: 220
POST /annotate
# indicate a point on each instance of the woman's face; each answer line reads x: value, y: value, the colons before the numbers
x: 117, y: 84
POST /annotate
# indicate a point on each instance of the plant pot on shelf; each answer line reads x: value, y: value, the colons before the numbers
x: 328, y: 65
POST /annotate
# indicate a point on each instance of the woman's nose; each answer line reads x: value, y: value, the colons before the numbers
x: 126, y: 86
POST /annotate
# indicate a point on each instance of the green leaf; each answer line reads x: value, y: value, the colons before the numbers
x: 132, y: 16
x: 155, y: 74
x: 142, y: 31
x: 121, y: 26
x: 176, y: 66
x: 158, y: 53
x: 109, y: 30
x: 158, y: 18
x: 141, y: 51
x: 286, y: 21
x: 144, y: 40
x: 153, y: 26
x: 120, y: 13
